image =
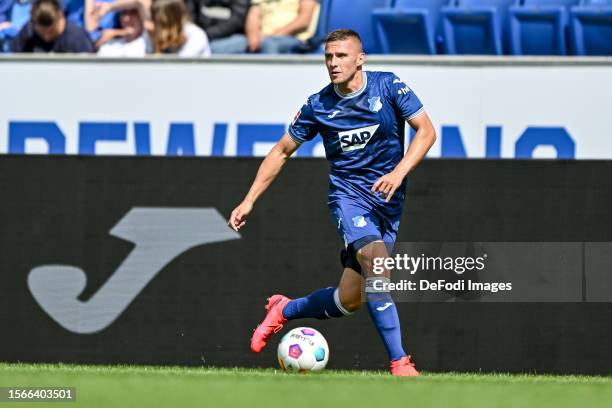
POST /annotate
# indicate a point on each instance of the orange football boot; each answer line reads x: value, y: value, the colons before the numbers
x: 403, y: 368
x: 273, y: 323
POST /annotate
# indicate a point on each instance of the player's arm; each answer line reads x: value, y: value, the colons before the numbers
x: 422, y: 141
x: 268, y: 170
x: 301, y: 22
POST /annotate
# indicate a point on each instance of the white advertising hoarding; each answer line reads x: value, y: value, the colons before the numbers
x: 480, y: 107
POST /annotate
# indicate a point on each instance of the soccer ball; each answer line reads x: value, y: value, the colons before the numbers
x: 303, y: 349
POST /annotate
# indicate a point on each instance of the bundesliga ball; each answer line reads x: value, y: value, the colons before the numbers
x: 303, y: 349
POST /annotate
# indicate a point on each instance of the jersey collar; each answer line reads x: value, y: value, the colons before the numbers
x: 357, y: 92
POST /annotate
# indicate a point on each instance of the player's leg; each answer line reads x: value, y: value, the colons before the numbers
x: 370, y: 234
x: 328, y: 302
x: 382, y: 308
x: 379, y: 301
x: 350, y: 290
x: 323, y: 303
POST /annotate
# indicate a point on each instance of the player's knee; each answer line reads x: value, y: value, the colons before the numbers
x: 352, y: 305
x: 366, y: 263
x: 350, y: 298
x: 369, y: 254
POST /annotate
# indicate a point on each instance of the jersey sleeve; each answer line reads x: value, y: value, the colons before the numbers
x: 304, y: 126
x: 404, y: 98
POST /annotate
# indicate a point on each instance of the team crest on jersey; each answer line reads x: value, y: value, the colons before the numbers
x: 375, y: 103
x: 359, y: 221
x: 357, y: 138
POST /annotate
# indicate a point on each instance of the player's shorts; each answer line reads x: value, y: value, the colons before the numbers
x: 359, y: 224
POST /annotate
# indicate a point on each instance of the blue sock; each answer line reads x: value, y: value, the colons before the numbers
x: 384, y: 315
x: 320, y: 304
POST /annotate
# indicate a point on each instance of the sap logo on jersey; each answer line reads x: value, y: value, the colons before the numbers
x: 357, y: 138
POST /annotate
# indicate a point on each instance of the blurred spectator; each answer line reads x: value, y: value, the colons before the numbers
x: 167, y: 26
x: 278, y: 26
x: 74, y: 10
x: 275, y: 27
x: 222, y: 20
x: 49, y: 31
x: 173, y: 33
x: 127, y: 41
x: 96, y: 24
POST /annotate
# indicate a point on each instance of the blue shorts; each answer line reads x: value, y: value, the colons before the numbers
x: 359, y: 224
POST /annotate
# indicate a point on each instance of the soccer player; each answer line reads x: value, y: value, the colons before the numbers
x: 360, y: 116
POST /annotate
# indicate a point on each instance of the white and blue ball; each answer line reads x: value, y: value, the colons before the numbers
x: 303, y: 349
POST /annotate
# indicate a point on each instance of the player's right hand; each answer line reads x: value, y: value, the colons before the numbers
x: 238, y: 217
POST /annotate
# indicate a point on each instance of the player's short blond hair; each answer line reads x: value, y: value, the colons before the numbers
x: 342, y: 34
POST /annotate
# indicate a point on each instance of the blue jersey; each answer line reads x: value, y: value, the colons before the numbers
x: 363, y: 134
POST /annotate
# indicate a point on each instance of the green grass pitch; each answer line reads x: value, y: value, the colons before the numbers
x: 137, y: 386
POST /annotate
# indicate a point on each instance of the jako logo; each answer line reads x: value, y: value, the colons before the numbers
x: 357, y: 138
x: 159, y: 235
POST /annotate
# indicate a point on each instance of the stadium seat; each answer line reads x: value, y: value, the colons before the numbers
x: 75, y: 11
x: 410, y: 27
x: 540, y: 27
x: 5, y: 10
x: 20, y: 14
x: 356, y: 15
x: 592, y: 27
x: 321, y: 30
x: 475, y: 26
x: 6, y: 35
x: 314, y: 43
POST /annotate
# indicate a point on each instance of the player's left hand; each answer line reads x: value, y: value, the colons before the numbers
x: 387, y: 185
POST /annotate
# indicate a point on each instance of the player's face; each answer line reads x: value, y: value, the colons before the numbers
x: 343, y: 59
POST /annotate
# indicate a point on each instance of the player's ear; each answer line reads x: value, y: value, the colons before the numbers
x: 361, y: 59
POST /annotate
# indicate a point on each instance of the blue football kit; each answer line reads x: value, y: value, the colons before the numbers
x: 363, y: 135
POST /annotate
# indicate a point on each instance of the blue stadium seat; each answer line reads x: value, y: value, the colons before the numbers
x: 6, y: 36
x: 476, y: 26
x: 410, y: 27
x: 315, y: 43
x: 540, y: 27
x: 592, y: 27
x: 20, y: 14
x: 5, y: 10
x: 321, y: 30
x: 75, y: 11
x: 357, y: 15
